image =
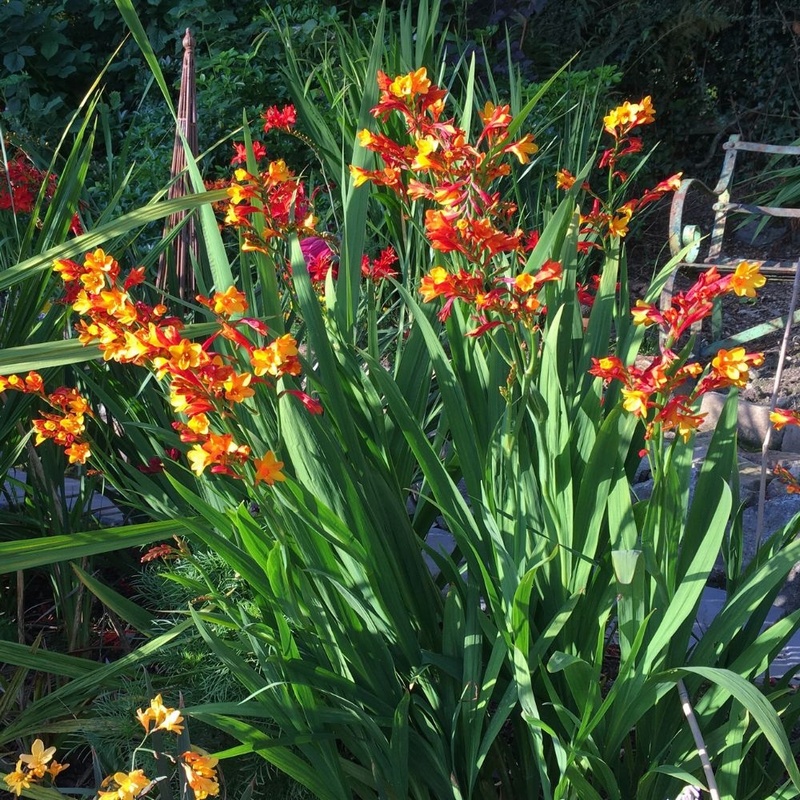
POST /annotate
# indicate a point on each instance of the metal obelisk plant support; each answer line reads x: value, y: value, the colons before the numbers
x: 175, y: 270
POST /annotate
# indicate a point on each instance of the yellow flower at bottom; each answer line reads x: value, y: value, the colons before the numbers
x: 201, y: 775
x: 129, y: 784
x: 18, y: 780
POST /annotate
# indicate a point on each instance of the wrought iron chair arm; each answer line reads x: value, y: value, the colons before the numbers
x: 676, y: 227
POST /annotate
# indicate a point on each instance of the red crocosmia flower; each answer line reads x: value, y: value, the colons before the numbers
x: 530, y: 241
x: 240, y: 155
x: 282, y: 118
x: 313, y: 406
x: 135, y: 277
x: 153, y: 466
x: 319, y: 267
x: 158, y: 551
x: 382, y: 267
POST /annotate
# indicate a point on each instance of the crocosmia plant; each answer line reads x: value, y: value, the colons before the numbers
x: 444, y: 586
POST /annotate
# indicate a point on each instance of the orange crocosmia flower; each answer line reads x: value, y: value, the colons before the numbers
x: 278, y: 171
x: 187, y: 355
x: 201, y: 763
x: 434, y: 283
x: 55, y: 769
x: 100, y: 261
x: 523, y: 148
x: 229, y: 302
x: 202, y: 785
x: 734, y: 365
x: 237, y: 387
x: 78, y: 452
x: 268, y: 469
x: 34, y: 383
x: 677, y: 416
x: 564, y: 179
x: 746, y: 279
x: 201, y: 774
x: 635, y: 402
x: 69, y: 270
x: 495, y: 117
x: 607, y: 368
x: 410, y: 85
x: 781, y: 417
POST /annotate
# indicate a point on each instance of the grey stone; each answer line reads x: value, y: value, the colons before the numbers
x: 753, y: 421
x: 754, y: 424
x: 777, y: 513
x: 791, y: 439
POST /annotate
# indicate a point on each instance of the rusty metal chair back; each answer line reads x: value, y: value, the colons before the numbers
x: 725, y: 208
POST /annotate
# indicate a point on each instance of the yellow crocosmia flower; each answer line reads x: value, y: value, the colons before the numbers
x: 161, y: 717
x: 93, y: 281
x: 238, y: 193
x: 746, y: 279
x: 198, y: 459
x: 171, y: 722
x: 36, y: 760
x: 129, y: 784
x: 360, y: 176
x: 18, y: 780
x: 524, y: 282
x: 642, y: 313
x: 199, y: 424
x: 781, y: 417
x: 365, y: 138
x: 635, y: 402
x: 732, y: 364
x: 410, y: 85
